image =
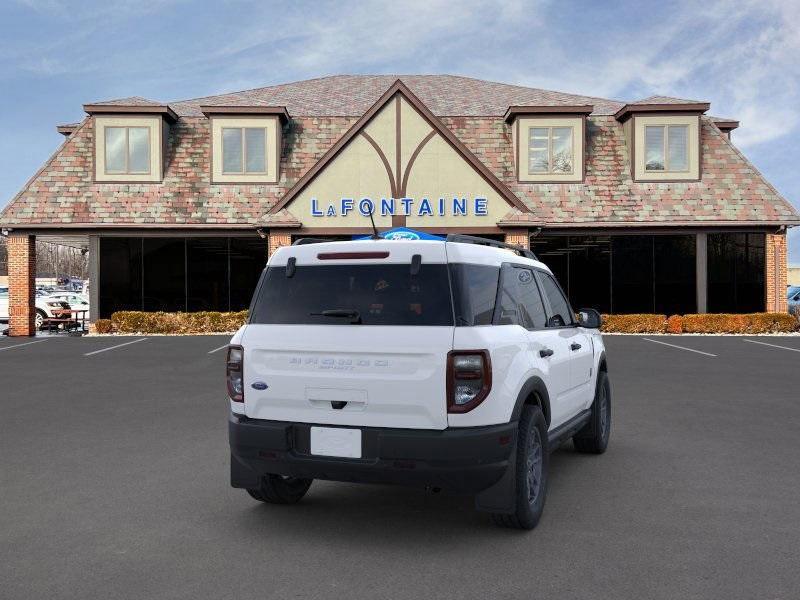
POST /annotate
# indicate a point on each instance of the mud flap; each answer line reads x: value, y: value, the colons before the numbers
x: 501, y: 497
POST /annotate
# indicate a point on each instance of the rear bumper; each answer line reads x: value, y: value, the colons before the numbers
x: 466, y: 460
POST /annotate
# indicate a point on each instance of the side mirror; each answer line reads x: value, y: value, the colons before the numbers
x: 590, y: 318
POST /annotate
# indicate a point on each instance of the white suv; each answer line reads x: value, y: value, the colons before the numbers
x: 457, y: 365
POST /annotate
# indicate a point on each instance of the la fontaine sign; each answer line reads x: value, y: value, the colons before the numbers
x: 422, y: 207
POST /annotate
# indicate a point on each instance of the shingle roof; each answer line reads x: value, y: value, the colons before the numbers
x: 666, y: 100
x: 63, y: 193
x: 130, y: 101
x: 352, y: 95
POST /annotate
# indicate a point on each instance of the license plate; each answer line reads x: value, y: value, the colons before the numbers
x: 335, y: 441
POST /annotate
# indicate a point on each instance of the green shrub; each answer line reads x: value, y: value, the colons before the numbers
x: 163, y: 322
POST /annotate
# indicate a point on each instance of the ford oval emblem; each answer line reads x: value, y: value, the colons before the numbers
x: 259, y: 385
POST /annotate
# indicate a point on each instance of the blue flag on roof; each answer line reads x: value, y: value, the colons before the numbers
x: 402, y: 233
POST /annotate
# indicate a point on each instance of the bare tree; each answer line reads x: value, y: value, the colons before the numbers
x: 52, y: 260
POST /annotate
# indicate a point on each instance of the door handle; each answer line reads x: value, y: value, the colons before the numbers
x: 545, y: 352
x: 574, y: 346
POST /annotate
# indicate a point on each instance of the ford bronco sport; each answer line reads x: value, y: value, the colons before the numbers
x: 456, y: 365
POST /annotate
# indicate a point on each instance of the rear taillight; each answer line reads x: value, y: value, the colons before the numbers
x: 469, y: 379
x: 234, y: 371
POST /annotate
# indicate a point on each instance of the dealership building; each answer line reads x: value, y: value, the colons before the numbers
x: 641, y: 206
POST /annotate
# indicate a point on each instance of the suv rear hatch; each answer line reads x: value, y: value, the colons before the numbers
x: 353, y: 333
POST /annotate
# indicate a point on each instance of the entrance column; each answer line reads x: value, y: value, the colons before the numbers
x: 21, y: 284
x: 518, y: 237
x: 775, y: 273
x: 701, y: 271
x: 94, y: 277
x: 277, y: 239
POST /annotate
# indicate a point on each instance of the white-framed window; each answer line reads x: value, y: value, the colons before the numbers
x: 127, y: 150
x: 244, y: 150
x: 666, y: 148
x: 550, y: 150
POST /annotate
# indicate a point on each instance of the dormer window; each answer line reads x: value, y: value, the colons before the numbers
x: 548, y: 142
x: 127, y: 150
x: 666, y: 148
x: 244, y: 150
x: 245, y: 143
x: 550, y: 150
x: 130, y: 140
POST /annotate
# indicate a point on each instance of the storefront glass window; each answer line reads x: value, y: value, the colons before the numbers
x: 164, y: 274
x: 207, y: 274
x: 623, y: 274
x: 179, y: 274
x: 736, y: 272
x: 120, y: 274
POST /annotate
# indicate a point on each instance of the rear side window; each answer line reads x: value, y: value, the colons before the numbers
x: 520, y: 299
x: 474, y: 293
x: 558, y: 303
x: 386, y: 294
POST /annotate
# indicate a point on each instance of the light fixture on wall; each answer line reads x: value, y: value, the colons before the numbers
x: 5, y: 231
x: 261, y: 233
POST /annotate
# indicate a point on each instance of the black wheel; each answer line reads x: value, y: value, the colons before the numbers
x: 276, y: 489
x: 593, y: 438
x: 533, y: 460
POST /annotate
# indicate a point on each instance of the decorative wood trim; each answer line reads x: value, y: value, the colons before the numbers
x: 384, y: 160
x: 399, y: 87
x: 412, y: 158
x: 515, y: 111
x: 279, y: 111
x: 131, y: 109
x: 630, y: 109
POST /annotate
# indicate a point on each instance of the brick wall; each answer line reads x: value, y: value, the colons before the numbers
x: 776, y: 273
x: 278, y: 238
x: 21, y: 284
x: 518, y: 237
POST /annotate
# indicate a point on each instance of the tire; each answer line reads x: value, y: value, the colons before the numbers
x: 533, y: 461
x: 276, y: 489
x: 593, y: 438
x: 39, y: 318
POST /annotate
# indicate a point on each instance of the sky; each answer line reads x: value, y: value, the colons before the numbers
x: 739, y: 55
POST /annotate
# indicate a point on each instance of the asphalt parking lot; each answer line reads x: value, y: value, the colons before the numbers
x: 114, y: 484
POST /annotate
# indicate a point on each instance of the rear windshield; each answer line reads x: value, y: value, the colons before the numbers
x: 386, y: 294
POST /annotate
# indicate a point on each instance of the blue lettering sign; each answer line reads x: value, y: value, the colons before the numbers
x: 366, y: 207
x: 387, y: 206
x: 460, y: 207
x: 425, y: 208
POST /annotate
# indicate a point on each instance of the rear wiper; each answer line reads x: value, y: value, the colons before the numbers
x: 344, y: 313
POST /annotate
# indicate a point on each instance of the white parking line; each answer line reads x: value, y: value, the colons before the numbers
x: 113, y: 347
x: 772, y: 345
x: 20, y: 345
x: 218, y: 349
x: 680, y: 347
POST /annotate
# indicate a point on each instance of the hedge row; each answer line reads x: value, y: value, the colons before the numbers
x: 707, y: 323
x: 222, y: 322
x: 163, y: 322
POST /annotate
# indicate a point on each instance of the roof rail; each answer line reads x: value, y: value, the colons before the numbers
x: 471, y: 239
x: 306, y: 241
